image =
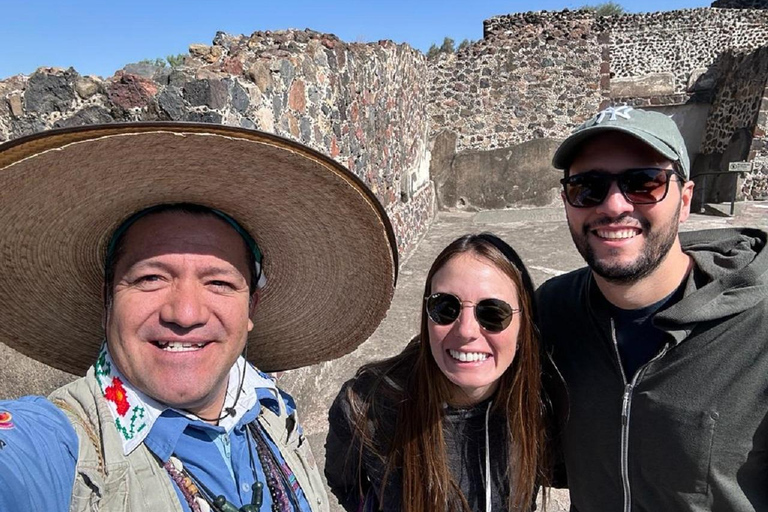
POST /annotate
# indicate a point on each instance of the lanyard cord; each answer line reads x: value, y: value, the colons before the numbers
x: 230, y: 411
x: 487, y: 461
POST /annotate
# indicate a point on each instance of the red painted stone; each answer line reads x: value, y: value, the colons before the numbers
x: 131, y: 91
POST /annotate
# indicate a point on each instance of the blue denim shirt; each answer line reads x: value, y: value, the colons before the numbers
x: 39, y: 447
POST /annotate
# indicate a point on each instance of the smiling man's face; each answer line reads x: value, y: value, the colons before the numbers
x: 620, y: 241
x: 181, y: 309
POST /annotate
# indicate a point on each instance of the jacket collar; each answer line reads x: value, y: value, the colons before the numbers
x: 135, y: 413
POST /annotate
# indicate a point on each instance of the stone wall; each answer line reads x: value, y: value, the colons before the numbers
x: 679, y: 44
x: 505, y: 99
x: 741, y: 4
x: 533, y: 75
x: 736, y: 125
x: 538, y: 75
x: 740, y: 90
x: 755, y: 185
x: 362, y: 104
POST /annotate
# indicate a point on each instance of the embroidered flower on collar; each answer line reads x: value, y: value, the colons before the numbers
x: 116, y: 393
x: 121, y: 401
x: 135, y: 413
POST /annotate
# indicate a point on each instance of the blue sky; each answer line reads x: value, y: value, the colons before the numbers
x: 101, y: 37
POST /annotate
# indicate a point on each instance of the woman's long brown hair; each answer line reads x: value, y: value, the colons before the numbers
x: 418, y: 446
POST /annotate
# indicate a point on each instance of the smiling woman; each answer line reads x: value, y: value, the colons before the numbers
x: 433, y: 427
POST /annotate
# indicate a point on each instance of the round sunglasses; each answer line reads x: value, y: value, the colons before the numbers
x: 648, y: 185
x: 493, y: 315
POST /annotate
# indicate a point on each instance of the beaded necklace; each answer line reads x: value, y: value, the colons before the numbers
x: 281, y: 482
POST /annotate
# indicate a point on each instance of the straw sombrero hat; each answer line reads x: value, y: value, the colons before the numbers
x: 330, y: 253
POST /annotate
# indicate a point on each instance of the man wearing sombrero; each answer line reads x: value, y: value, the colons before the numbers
x: 139, y: 255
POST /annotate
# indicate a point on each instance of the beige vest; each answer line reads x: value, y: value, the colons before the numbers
x: 108, y: 481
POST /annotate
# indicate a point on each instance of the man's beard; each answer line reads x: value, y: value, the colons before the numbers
x: 658, y: 242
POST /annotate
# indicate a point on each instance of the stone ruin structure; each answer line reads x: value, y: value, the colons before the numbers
x: 469, y: 130
x: 500, y: 106
x: 362, y: 104
x: 740, y: 4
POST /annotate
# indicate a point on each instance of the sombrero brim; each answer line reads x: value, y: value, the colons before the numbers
x: 330, y: 252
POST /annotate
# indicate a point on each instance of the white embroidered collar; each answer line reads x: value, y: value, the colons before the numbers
x: 135, y: 413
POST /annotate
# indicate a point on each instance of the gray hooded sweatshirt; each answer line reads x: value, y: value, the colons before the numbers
x: 687, y: 431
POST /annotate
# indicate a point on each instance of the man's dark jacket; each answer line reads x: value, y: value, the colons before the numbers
x: 689, y: 431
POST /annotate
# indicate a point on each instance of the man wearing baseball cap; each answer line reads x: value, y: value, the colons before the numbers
x: 661, y: 343
x: 159, y: 261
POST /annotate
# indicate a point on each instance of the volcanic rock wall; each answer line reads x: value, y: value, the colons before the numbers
x: 678, y: 43
x: 499, y: 107
x: 741, y: 4
x: 536, y: 76
x: 362, y: 104
x: 533, y: 75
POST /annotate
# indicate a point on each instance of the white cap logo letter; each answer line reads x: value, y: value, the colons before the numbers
x: 614, y: 112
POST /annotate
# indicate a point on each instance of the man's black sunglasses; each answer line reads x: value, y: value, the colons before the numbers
x: 638, y: 186
x: 493, y: 315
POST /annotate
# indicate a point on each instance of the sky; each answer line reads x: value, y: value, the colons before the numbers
x: 98, y: 38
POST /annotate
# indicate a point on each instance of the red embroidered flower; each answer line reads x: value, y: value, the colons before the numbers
x: 116, y: 393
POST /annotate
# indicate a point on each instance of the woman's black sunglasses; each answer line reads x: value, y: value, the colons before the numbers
x: 493, y: 315
x: 638, y: 186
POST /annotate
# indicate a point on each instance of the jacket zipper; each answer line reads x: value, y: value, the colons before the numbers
x: 624, y: 424
x: 625, y: 410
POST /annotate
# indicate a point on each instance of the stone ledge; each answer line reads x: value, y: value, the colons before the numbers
x: 647, y: 86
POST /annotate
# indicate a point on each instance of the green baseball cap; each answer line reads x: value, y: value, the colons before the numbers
x: 654, y: 128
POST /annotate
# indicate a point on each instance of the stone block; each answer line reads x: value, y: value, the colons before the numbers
x: 131, y: 91
x: 26, y: 125
x: 179, y: 76
x: 232, y: 66
x: 50, y: 90
x: 87, y: 86
x: 89, y: 115
x: 171, y: 103
x: 211, y: 93
x: 15, y: 104
x: 260, y: 74
x: 297, y: 98
x: 647, y: 86
x: 240, y: 98
x: 283, y: 67
x: 209, y: 54
x: 702, y: 79
x: 305, y: 128
x: 163, y: 75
